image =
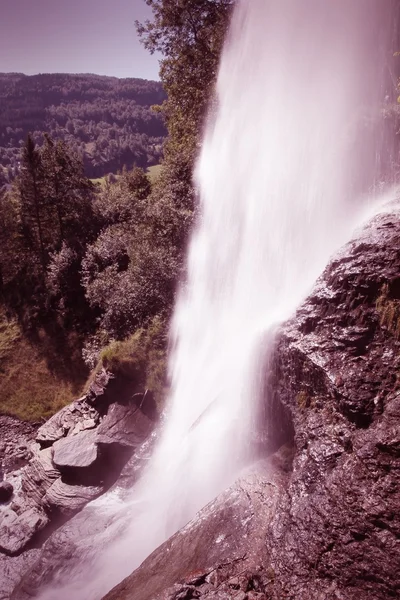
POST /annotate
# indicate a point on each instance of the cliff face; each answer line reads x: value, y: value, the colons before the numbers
x: 326, y: 526
x: 336, y: 531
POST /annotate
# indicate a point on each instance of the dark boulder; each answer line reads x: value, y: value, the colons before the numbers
x: 6, y: 491
x: 336, y: 534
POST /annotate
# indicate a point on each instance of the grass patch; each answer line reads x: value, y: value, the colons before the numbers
x: 142, y: 358
x: 29, y: 388
x: 99, y: 181
x: 154, y: 173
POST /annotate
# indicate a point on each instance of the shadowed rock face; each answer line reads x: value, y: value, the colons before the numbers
x: 336, y: 532
x: 332, y: 530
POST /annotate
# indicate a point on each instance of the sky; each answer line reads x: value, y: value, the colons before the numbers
x: 74, y: 36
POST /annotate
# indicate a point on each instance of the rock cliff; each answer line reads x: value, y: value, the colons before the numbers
x: 330, y: 528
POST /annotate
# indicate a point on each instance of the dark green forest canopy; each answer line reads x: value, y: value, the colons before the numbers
x: 109, y: 121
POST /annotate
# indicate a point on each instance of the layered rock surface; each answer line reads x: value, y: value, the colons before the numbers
x: 332, y: 531
x: 78, y: 454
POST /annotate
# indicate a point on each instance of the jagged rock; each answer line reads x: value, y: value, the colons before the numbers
x: 336, y: 534
x: 37, y: 477
x: 6, y: 491
x: 76, y: 451
x: 99, y: 387
x: 17, y: 530
x: 70, y: 464
x: 68, y: 420
x: 92, y: 528
x: 16, y: 438
x: 124, y: 425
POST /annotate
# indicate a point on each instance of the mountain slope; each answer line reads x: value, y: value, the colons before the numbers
x: 108, y: 120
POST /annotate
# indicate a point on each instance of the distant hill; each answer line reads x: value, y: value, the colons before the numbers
x: 108, y: 120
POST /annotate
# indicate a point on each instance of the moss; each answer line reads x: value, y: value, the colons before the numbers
x: 142, y: 357
x: 303, y: 400
x: 388, y: 309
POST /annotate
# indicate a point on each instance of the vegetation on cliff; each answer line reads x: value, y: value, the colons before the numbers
x: 100, y: 264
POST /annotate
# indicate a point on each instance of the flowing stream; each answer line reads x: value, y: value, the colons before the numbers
x: 286, y: 153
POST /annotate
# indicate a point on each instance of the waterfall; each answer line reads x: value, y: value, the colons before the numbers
x: 285, y: 156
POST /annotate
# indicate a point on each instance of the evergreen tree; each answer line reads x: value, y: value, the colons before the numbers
x: 32, y: 207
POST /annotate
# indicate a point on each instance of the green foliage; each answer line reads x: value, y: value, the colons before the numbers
x: 142, y: 358
x: 83, y: 265
x: 108, y: 121
x: 48, y: 219
x: 190, y: 35
x: 130, y: 271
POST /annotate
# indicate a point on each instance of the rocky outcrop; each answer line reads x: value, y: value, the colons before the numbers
x: 68, y: 550
x: 337, y: 531
x: 77, y: 455
x: 331, y: 529
x: 318, y: 520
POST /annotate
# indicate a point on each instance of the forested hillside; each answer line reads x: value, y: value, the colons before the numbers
x: 109, y: 121
x: 86, y: 271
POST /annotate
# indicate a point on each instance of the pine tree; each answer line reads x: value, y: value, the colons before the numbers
x: 29, y: 186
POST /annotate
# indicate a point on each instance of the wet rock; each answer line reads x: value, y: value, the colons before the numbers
x: 11, y: 569
x: 73, y: 461
x: 68, y: 499
x: 6, y: 491
x: 80, y: 538
x: 216, y: 554
x: 336, y: 534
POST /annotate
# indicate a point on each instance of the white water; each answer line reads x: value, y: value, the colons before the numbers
x: 277, y: 178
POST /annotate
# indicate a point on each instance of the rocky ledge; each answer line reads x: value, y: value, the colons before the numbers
x: 63, y: 464
x: 330, y: 528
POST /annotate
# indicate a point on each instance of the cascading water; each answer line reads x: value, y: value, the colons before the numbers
x: 277, y: 177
